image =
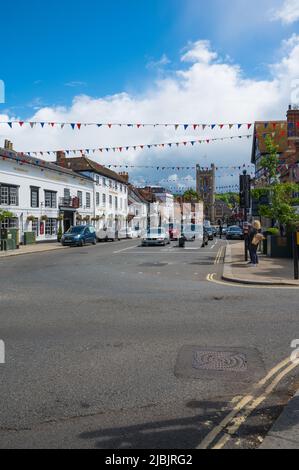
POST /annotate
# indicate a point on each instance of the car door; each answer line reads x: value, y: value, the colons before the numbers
x: 92, y: 231
x: 87, y: 235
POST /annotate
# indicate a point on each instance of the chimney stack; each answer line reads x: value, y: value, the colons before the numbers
x: 60, y: 158
x: 8, y: 145
x: 293, y: 123
x: 125, y: 176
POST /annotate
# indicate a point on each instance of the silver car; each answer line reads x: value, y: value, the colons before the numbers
x: 156, y: 237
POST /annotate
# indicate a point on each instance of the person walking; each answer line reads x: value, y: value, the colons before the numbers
x: 255, y: 237
x: 220, y: 232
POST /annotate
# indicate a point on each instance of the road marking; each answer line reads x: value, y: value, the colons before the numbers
x: 210, y: 278
x: 240, y: 420
x: 218, y: 256
x: 243, y: 403
x: 126, y: 249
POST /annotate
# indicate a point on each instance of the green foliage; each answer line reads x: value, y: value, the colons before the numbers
x: 5, y: 215
x: 271, y: 161
x: 280, y: 195
x: 231, y: 199
x: 273, y: 231
x: 191, y: 195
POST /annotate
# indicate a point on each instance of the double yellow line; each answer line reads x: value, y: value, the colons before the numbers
x: 219, y: 255
x: 221, y: 434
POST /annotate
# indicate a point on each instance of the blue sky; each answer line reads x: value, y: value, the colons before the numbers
x: 147, y: 61
x: 55, y: 50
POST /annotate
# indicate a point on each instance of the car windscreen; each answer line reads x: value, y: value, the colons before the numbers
x: 156, y: 232
x: 76, y: 230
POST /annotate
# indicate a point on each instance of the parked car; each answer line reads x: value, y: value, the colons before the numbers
x: 157, y: 236
x: 79, y: 235
x: 210, y: 232
x: 234, y: 233
x: 129, y: 234
x: 174, y: 233
x: 215, y: 231
x: 224, y: 230
x: 107, y: 234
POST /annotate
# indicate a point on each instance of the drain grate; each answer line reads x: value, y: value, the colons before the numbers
x: 229, y: 365
x: 219, y: 361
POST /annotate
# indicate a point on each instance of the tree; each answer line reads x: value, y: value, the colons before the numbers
x: 270, y: 162
x: 280, y: 195
x: 5, y: 215
x: 231, y: 199
x: 191, y: 195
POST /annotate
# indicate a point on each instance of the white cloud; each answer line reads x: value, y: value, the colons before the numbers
x: 156, y: 64
x: 288, y: 12
x: 199, y: 51
x: 206, y: 90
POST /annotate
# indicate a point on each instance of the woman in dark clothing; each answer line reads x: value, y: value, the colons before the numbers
x: 253, y: 246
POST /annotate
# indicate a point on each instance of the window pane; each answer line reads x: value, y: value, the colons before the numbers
x: 4, y: 195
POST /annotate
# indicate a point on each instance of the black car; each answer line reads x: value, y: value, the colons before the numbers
x: 210, y: 232
x: 234, y: 233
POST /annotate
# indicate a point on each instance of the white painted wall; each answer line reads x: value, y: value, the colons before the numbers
x: 24, y: 176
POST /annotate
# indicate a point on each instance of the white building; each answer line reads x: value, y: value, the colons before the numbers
x: 166, y: 204
x: 138, y: 210
x: 42, y: 196
x: 110, y: 198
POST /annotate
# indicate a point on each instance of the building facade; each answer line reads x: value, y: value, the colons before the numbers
x: 41, y: 196
x: 138, y: 210
x: 110, y: 196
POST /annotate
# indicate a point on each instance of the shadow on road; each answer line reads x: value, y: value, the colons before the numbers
x: 183, y: 433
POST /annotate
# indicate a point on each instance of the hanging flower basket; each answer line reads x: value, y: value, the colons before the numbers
x: 30, y: 218
x: 44, y: 218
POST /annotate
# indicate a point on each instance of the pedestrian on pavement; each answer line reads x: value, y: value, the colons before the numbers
x: 220, y: 231
x: 255, y: 237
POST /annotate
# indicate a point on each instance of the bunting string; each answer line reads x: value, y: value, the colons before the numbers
x: 110, y: 125
x: 121, y: 149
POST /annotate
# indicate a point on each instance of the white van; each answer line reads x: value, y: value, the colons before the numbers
x: 107, y: 234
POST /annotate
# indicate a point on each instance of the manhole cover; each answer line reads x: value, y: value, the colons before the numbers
x: 224, y: 364
x: 219, y: 360
x: 153, y: 265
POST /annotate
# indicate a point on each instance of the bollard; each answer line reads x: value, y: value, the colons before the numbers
x: 182, y: 241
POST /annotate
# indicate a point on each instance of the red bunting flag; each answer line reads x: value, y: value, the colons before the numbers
x: 21, y: 123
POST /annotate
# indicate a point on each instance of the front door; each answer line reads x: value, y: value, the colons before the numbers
x: 68, y: 220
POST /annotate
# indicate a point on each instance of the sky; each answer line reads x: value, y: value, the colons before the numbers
x: 147, y: 61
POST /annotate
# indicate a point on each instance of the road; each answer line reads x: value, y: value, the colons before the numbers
x: 112, y: 346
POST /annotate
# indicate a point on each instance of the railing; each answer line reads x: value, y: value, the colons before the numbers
x: 70, y: 202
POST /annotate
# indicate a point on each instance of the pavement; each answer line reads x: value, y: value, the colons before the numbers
x: 285, y: 432
x: 32, y: 249
x: 275, y: 272
x: 117, y: 346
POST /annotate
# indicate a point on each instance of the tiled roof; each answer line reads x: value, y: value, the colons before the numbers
x: 137, y: 193
x: 80, y: 164
x: 37, y: 162
x: 278, y: 130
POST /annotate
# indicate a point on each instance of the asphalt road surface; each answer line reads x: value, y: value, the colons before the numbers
x: 123, y: 347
